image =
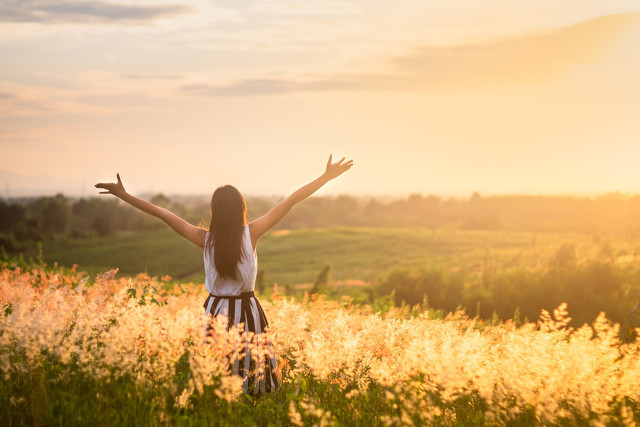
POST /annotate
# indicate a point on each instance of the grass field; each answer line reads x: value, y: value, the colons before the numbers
x: 357, y: 254
x: 113, y: 351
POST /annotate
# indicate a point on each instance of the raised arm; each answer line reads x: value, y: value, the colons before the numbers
x: 182, y: 227
x: 260, y: 226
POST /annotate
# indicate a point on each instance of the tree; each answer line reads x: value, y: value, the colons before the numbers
x: 10, y: 215
x: 53, y: 213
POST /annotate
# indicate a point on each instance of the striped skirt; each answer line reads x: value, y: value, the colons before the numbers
x: 246, y: 309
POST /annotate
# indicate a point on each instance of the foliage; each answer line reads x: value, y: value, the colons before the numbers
x: 53, y: 213
x: 78, y: 350
x: 588, y: 288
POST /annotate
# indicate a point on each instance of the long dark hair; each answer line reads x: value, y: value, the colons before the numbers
x: 228, y: 217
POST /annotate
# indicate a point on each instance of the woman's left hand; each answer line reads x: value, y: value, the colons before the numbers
x: 334, y: 170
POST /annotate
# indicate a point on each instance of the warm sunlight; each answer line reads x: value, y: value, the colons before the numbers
x: 320, y: 212
x: 447, y: 99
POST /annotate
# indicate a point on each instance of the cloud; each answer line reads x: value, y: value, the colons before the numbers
x: 88, y: 92
x: 86, y: 12
x: 151, y: 76
x: 280, y: 86
x: 525, y: 60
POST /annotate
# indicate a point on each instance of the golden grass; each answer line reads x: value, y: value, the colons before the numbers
x: 424, y: 365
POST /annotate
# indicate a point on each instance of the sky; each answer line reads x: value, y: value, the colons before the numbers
x: 444, y: 98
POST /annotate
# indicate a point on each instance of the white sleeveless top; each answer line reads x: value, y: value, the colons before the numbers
x: 246, y: 270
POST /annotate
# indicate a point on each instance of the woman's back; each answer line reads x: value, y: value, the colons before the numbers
x: 234, y: 299
x: 246, y: 270
x: 232, y: 296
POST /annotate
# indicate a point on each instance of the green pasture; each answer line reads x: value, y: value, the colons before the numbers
x: 362, y: 254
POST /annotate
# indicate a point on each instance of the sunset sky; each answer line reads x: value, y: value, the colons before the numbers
x: 446, y: 98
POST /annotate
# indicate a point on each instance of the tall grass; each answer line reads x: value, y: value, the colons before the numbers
x: 104, y: 351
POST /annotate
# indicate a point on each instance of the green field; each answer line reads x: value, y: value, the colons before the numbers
x: 355, y: 254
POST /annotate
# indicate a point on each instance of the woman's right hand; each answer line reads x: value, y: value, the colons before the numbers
x: 115, y: 188
x: 334, y: 170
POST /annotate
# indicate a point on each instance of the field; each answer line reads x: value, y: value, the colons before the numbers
x: 133, y: 340
x: 503, y: 274
x: 101, y: 350
x: 294, y: 257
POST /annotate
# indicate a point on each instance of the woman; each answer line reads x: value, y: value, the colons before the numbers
x: 230, y: 260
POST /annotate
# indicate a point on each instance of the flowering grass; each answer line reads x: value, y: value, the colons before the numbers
x: 105, y: 351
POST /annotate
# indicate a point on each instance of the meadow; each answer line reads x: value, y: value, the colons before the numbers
x: 486, y: 273
x: 78, y: 349
x: 384, y: 325
x: 295, y: 257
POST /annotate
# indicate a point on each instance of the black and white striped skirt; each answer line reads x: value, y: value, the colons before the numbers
x: 246, y: 309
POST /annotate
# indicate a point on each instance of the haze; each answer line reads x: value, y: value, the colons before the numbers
x: 496, y: 96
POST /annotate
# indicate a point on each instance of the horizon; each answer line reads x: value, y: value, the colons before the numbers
x: 88, y: 192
